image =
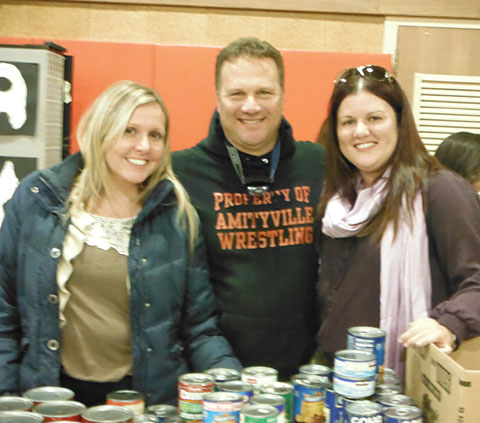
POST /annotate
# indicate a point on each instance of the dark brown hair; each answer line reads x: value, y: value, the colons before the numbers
x: 460, y: 152
x: 411, y: 163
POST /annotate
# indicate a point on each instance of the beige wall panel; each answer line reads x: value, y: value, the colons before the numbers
x: 426, y: 8
x: 225, y: 26
x: 445, y: 51
x: 189, y: 26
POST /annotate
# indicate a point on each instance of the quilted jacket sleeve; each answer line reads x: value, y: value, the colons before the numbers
x: 204, y: 345
x: 10, y: 330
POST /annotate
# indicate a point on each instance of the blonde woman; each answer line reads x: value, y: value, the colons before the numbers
x: 103, y: 281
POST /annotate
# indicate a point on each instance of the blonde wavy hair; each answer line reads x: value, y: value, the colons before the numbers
x: 104, y: 124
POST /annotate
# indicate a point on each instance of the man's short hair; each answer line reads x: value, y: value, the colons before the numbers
x: 249, y: 47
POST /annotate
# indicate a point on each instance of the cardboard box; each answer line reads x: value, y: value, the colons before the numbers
x: 445, y: 387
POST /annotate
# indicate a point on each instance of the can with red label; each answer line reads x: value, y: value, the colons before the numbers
x: 192, y: 387
x: 49, y: 393
x: 259, y: 375
x: 127, y: 398
x: 60, y: 410
x: 12, y: 403
x: 107, y: 414
x: 20, y: 417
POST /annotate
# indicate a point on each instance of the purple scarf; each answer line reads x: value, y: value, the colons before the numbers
x: 405, y: 280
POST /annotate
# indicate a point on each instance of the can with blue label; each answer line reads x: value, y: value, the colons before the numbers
x: 308, y: 397
x: 354, y: 388
x: 317, y: 369
x: 285, y: 389
x: 222, y: 407
x: 395, y: 399
x: 371, y: 339
x: 332, y: 405
x: 363, y: 412
x: 403, y: 414
x: 243, y: 388
x: 356, y: 364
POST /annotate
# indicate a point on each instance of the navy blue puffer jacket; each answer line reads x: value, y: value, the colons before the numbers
x: 172, y: 313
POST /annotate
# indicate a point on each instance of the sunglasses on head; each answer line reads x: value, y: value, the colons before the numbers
x: 368, y: 72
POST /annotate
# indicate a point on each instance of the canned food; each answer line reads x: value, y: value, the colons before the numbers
x: 388, y: 379
x: 107, y: 414
x: 259, y: 375
x: 49, y: 393
x: 284, y: 389
x: 20, y: 417
x: 363, y: 412
x: 272, y: 399
x: 317, y: 369
x: 256, y: 413
x: 60, y: 410
x: 370, y: 339
x: 222, y: 407
x: 309, y: 395
x: 332, y: 405
x: 127, y: 398
x: 11, y: 403
x: 192, y: 387
x: 403, y: 414
x: 243, y: 388
x: 383, y: 389
x: 223, y: 375
x: 395, y: 399
x: 355, y: 363
x: 355, y: 388
x: 163, y: 412
x: 145, y: 418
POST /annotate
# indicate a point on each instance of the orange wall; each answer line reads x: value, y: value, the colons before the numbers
x: 184, y: 76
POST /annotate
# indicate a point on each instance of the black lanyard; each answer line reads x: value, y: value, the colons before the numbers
x: 237, y: 166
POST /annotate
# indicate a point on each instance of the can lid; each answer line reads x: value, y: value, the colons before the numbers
x: 125, y: 395
x: 364, y: 408
x: 49, y: 393
x: 269, y: 399
x: 259, y: 410
x: 12, y: 403
x: 403, y: 411
x: 20, y: 417
x: 59, y: 408
x: 107, y: 413
x: 355, y: 355
x: 367, y: 331
x: 223, y: 397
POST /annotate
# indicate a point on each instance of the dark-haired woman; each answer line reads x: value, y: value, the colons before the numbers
x: 400, y: 242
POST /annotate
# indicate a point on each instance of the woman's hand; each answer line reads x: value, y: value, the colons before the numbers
x: 428, y: 331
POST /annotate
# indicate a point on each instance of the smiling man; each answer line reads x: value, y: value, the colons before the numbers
x: 255, y: 189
